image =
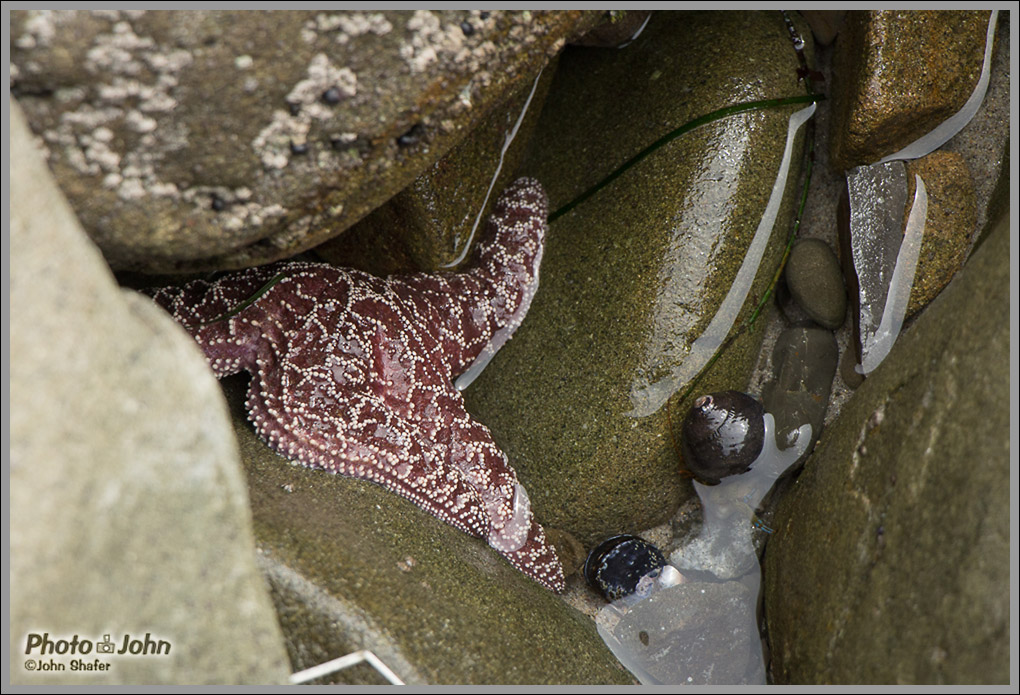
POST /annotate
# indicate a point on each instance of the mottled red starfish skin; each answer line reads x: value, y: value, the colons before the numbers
x: 354, y: 374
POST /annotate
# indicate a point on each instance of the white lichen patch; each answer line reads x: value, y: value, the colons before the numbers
x: 112, y: 127
x: 273, y: 143
x: 238, y: 211
x: 138, y: 122
x: 114, y: 52
x: 322, y: 75
x: 136, y: 78
x: 39, y: 30
x: 346, y: 26
x: 431, y: 42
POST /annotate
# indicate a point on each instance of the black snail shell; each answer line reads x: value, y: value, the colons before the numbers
x: 722, y: 435
x: 616, y: 565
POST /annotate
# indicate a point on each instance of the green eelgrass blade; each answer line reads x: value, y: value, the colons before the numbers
x: 748, y: 323
x: 672, y: 135
x: 246, y: 303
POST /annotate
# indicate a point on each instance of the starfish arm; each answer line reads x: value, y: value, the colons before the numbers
x: 476, y: 312
x: 229, y: 344
x: 512, y: 531
x: 364, y: 439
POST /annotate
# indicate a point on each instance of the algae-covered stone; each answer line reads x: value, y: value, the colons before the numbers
x: 949, y: 225
x: 634, y: 275
x: 354, y: 566
x: 890, y: 558
x: 127, y: 502
x: 899, y: 74
x: 193, y: 140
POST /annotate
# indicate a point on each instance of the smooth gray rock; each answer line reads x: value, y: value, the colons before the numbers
x: 128, y: 510
x: 804, y: 362
x: 890, y: 561
x: 815, y: 282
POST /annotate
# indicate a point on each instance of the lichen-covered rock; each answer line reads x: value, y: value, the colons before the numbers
x: 433, y: 223
x: 129, y: 514
x: 217, y: 139
x: 634, y: 275
x: 898, y: 75
x: 890, y: 557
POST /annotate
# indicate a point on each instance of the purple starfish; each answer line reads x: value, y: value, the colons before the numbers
x: 354, y: 374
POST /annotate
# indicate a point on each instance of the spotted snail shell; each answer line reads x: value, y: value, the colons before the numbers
x: 616, y: 565
x: 722, y: 435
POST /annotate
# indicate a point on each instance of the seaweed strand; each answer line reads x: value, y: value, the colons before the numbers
x: 674, y: 134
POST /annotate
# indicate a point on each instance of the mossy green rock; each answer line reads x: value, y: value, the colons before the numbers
x: 890, y: 561
x: 354, y: 566
x: 631, y: 277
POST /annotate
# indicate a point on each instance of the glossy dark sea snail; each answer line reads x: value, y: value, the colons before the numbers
x: 722, y: 435
x: 616, y: 566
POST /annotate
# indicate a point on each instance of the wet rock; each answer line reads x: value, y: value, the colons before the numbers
x: 898, y: 75
x: 949, y: 225
x: 815, y: 282
x: 848, y: 368
x: 354, y: 566
x: 695, y: 633
x: 213, y: 140
x: 568, y: 549
x: 900, y: 522
x: 874, y: 236
x: 430, y: 224
x: 825, y: 24
x: 803, y: 363
x: 619, y: 28
x: 632, y: 277
x: 129, y: 514
x: 870, y: 239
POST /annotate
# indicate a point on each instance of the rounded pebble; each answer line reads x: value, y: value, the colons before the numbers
x: 815, y: 281
x: 804, y: 363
